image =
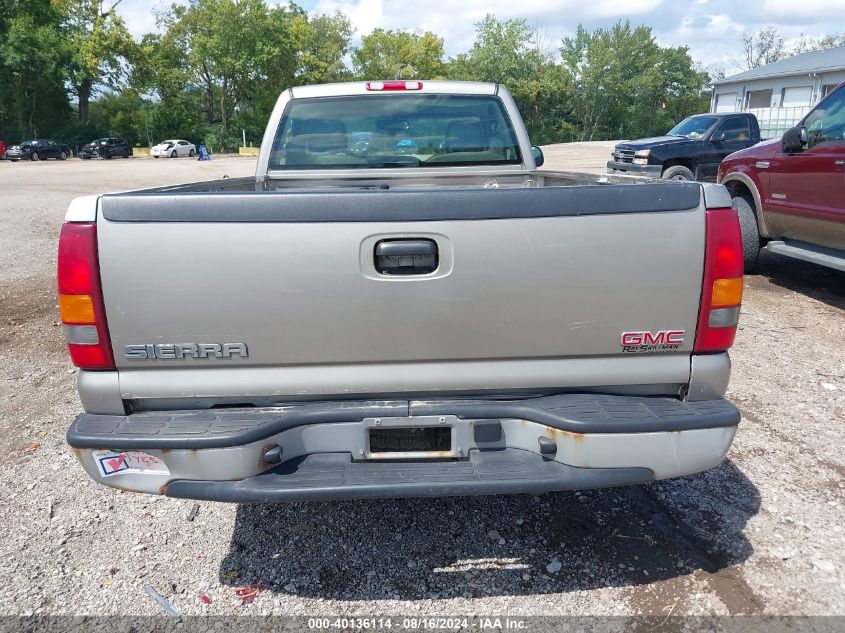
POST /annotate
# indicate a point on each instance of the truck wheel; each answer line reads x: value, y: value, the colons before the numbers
x: 750, y: 233
x: 191, y: 154
x: 63, y: 156
x: 34, y: 156
x: 678, y: 172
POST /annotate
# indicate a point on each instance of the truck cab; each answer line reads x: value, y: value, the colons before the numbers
x: 789, y: 193
x: 692, y: 150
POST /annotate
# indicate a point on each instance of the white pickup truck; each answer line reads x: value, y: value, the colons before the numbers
x: 400, y: 304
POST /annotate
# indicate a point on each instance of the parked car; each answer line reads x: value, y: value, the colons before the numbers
x: 790, y: 192
x: 38, y: 149
x: 173, y: 149
x: 439, y: 329
x: 692, y: 150
x: 2, y: 150
x: 106, y: 148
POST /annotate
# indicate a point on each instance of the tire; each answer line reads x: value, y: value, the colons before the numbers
x: 155, y: 156
x: 62, y: 155
x: 677, y: 172
x: 108, y: 156
x: 34, y: 156
x: 191, y: 154
x: 173, y: 154
x: 750, y: 233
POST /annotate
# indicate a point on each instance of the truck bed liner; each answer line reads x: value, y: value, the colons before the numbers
x: 217, y: 428
x: 329, y: 476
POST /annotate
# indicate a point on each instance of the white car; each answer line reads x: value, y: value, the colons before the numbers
x: 173, y: 149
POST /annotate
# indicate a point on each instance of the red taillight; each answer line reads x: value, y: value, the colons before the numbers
x: 81, y: 298
x: 396, y: 84
x: 721, y: 294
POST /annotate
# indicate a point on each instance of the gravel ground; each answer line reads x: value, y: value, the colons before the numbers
x: 761, y: 534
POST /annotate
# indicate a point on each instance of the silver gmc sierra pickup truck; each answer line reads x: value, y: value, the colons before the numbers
x: 400, y: 303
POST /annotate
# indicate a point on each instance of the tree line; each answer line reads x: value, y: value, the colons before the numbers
x: 71, y: 70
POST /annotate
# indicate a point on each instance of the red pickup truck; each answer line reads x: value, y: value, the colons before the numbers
x: 2, y: 150
x: 789, y: 193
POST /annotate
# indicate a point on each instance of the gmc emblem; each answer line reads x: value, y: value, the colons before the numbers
x: 660, y: 341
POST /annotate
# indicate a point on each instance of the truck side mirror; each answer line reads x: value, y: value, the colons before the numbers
x: 794, y: 139
x: 537, y: 153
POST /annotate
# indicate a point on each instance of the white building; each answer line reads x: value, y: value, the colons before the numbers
x: 781, y: 93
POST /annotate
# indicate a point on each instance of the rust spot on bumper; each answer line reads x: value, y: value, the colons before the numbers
x: 262, y: 465
x: 554, y: 434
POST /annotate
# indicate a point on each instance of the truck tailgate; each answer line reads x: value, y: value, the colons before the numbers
x: 533, y: 289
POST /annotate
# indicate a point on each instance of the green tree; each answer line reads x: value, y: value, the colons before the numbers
x: 544, y: 100
x: 625, y: 84
x: 503, y: 52
x: 175, y: 103
x: 679, y: 89
x: 386, y: 54
x: 102, y: 47
x: 235, y: 52
x: 121, y: 114
x: 325, y: 42
x: 511, y: 53
x: 33, y: 57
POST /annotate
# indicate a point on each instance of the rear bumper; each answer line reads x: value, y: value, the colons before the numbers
x: 645, y: 170
x: 538, y: 445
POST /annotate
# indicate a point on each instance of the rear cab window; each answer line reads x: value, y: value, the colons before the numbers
x: 388, y: 131
x: 734, y: 129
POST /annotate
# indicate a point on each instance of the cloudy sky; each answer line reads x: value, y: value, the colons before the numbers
x: 711, y: 28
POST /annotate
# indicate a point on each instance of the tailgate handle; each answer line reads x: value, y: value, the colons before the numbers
x: 406, y: 257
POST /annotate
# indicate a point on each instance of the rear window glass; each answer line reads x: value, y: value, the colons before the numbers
x: 397, y: 130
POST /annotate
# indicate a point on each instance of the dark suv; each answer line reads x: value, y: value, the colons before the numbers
x: 106, y: 148
x: 692, y: 150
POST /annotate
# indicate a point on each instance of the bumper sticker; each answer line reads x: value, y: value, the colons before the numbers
x: 110, y: 463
